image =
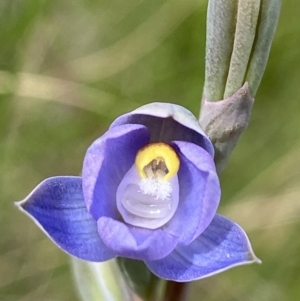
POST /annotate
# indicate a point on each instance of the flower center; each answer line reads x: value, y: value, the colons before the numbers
x: 148, y: 195
x: 157, y: 160
x: 156, y: 163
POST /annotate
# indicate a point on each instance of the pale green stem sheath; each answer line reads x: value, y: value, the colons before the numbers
x: 100, y: 281
x: 239, y: 37
x: 224, y: 121
x: 269, y: 15
x: 221, y: 15
x: 247, y: 16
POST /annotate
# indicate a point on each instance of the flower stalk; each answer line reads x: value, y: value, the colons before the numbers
x: 176, y: 291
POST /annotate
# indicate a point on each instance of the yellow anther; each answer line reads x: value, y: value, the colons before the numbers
x: 160, y: 152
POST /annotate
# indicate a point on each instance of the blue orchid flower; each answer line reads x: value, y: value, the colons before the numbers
x: 149, y: 191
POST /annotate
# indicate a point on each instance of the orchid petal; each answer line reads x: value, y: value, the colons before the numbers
x: 106, y: 162
x: 58, y: 208
x: 199, y: 192
x: 167, y: 122
x: 135, y: 242
x: 143, y: 210
x: 221, y: 246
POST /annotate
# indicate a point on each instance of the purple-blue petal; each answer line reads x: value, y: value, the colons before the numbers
x: 167, y: 122
x: 106, y: 162
x: 58, y: 207
x: 221, y: 246
x: 199, y: 192
x: 134, y: 242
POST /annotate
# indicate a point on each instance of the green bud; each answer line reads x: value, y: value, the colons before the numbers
x: 269, y: 15
x: 239, y: 37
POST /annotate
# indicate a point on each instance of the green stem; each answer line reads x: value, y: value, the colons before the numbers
x: 176, y: 291
x: 155, y: 288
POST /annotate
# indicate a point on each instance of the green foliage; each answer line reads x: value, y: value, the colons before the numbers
x: 68, y: 68
x: 99, y: 281
x: 140, y: 280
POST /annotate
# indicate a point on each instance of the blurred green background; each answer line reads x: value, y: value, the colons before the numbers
x: 68, y: 68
